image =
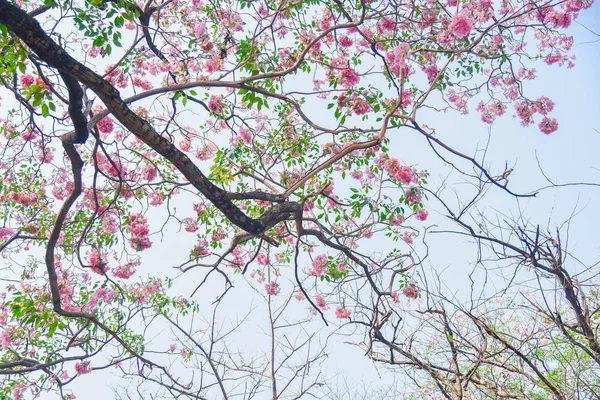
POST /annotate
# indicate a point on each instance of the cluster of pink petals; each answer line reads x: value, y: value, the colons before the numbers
x: 190, y: 224
x: 348, y: 78
x: 342, y: 313
x: 396, y: 60
x: 141, y: 292
x: 411, y: 291
x: 547, y: 125
x: 216, y: 104
x: 105, y: 125
x: 421, y: 214
x: 272, y: 288
x: 408, y: 237
x: 526, y: 110
x: 491, y: 112
x: 402, y: 173
x: 82, y: 368
x: 5, y: 233
x: 200, y: 250
x: 319, y: 266
x: 354, y: 103
x: 413, y: 195
x: 461, y: 26
x: 125, y: 271
x: 138, y: 227
x: 320, y: 302
x: 96, y: 261
x: 26, y: 199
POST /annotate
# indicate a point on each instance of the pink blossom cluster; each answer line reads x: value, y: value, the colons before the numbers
x: 125, y: 271
x: 421, y: 214
x: 84, y: 367
x: 460, y: 100
x: 320, y: 302
x: 401, y: 173
x: 102, y: 294
x: 105, y: 125
x: 348, y: 78
x: 190, y: 224
x: 461, y: 26
x: 408, y: 237
x: 319, y: 266
x: 491, y: 112
x: 5, y: 233
x: 111, y: 166
x: 272, y: 288
x: 342, y: 313
x: 27, y: 80
x: 148, y: 173
x: 526, y: 110
x: 353, y: 103
x: 396, y: 60
x: 26, y: 199
x: 216, y: 104
x: 263, y: 259
x: 411, y: 291
x: 413, y: 195
x: 138, y: 227
x: 200, y: 250
x: 6, y: 336
x: 141, y: 292
x: 97, y: 261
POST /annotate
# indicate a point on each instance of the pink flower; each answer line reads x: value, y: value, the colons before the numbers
x: 191, y: 225
x: 17, y: 391
x: 215, y: 104
x: 5, y: 233
x: 558, y: 19
x: 404, y: 175
x: 142, y: 83
x: 299, y: 295
x: 347, y: 78
x: 345, y: 41
x: 385, y: 25
x: 83, y: 368
x: 26, y: 80
x: 421, y: 214
x: 125, y: 271
x: 199, y: 29
x: 548, y: 125
x: 408, y: 237
x: 263, y: 259
x: 105, y: 125
x: 320, y: 301
x: 272, y: 288
x: 200, y: 250
x: 342, y: 313
x: 96, y: 262
x: 411, y: 291
x: 361, y: 107
x: 461, y: 26
x: 6, y: 337
x: 413, y: 195
x: 525, y: 112
x: 149, y: 173
x: 319, y: 266
x: 544, y: 105
x: 138, y: 227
